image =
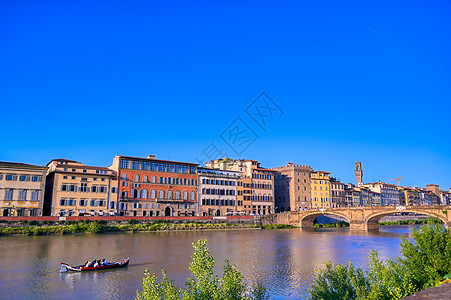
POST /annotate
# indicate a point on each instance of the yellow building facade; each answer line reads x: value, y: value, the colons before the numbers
x: 320, y: 189
x: 75, y: 189
x: 22, y: 188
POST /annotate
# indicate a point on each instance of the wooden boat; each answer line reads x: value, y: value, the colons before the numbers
x: 81, y: 268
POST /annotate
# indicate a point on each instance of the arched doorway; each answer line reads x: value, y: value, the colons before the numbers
x: 218, y: 213
x: 167, y: 212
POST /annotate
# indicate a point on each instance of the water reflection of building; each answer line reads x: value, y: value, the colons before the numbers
x: 22, y: 188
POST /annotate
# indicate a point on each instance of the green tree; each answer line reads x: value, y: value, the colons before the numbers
x: 205, y: 285
x: 429, y: 258
x: 424, y: 263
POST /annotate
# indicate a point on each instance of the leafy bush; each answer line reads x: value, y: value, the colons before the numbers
x: 204, y: 286
x: 423, y: 264
x: 95, y: 227
x: 32, y: 223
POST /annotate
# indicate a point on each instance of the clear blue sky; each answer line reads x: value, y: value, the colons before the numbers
x: 367, y: 80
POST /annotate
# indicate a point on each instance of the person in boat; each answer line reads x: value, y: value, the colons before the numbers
x: 88, y: 264
x: 97, y: 264
x: 103, y: 262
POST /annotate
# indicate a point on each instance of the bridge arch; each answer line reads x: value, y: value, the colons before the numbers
x: 372, y: 220
x: 306, y: 220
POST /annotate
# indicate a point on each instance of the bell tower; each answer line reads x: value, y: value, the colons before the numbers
x: 359, y: 173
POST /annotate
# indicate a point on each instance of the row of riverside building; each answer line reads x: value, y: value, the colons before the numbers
x: 147, y: 186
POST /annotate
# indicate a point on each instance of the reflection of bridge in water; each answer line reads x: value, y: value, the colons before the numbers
x: 359, y: 218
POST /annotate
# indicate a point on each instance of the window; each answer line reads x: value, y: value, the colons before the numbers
x: 83, y: 187
x: 145, y: 165
x: 136, y: 165
x: 113, y: 190
x: 93, y: 202
x: 35, y: 195
x: 177, y: 195
x: 22, y: 178
x: 11, y: 177
x: 23, y: 195
x: 124, y: 176
x: 184, y: 169
x: 153, y: 194
x: 153, y: 179
x: 145, y: 178
x: 124, y: 164
x: 135, y: 193
x: 177, y: 168
x: 136, y: 178
x: 113, y: 205
x: 170, y: 168
x: 62, y: 202
x: 94, y: 189
x: 161, y: 180
x: 85, y: 171
x: 83, y: 202
x: 169, y: 194
x: 192, y: 170
x: 192, y: 196
x: 74, y: 170
x: 153, y: 166
x: 144, y: 194
x: 161, y: 194
x: 162, y: 167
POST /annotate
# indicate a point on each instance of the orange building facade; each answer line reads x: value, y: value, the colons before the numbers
x: 154, y: 187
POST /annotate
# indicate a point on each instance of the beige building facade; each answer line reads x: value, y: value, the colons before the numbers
x: 292, y: 187
x: 337, y: 193
x: 22, y: 188
x: 217, y: 192
x: 261, y: 186
x: 75, y: 189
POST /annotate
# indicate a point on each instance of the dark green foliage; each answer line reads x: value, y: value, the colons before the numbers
x: 275, y: 226
x: 204, y: 285
x: 411, y: 222
x: 423, y: 264
x: 32, y: 223
x: 337, y: 224
x: 429, y: 259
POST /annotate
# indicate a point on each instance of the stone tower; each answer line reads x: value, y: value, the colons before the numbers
x: 359, y: 173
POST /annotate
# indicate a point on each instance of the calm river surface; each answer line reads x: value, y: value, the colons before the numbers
x: 284, y: 260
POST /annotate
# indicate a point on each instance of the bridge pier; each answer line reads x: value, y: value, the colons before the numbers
x: 306, y: 224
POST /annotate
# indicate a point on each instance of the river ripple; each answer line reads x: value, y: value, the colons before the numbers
x: 284, y: 260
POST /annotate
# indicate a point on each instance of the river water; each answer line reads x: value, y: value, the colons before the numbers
x: 284, y: 260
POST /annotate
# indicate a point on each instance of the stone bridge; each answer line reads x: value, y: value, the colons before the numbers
x: 359, y: 218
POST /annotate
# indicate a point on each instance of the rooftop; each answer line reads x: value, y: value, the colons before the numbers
x: 154, y: 159
x: 18, y: 165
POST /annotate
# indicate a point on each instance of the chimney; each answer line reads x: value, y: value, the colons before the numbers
x: 151, y: 156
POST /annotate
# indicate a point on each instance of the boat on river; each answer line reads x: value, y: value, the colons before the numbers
x: 82, y: 268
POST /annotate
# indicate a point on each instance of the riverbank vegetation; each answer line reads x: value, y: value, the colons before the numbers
x: 86, y: 226
x: 277, y: 226
x: 410, y: 222
x: 204, y: 284
x: 337, y: 224
x: 424, y: 263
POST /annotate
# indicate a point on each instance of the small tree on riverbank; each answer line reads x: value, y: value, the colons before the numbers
x: 423, y: 264
x: 205, y: 285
